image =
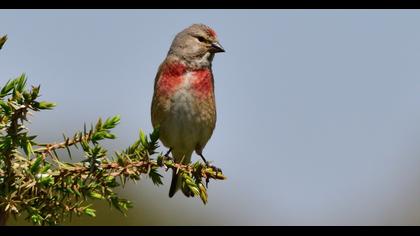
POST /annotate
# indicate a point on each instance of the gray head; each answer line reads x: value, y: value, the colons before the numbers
x: 196, y: 43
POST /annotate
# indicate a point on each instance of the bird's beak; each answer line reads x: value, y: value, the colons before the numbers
x: 216, y: 47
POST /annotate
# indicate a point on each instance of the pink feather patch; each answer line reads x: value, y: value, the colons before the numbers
x: 203, y: 83
x: 211, y: 32
x: 170, y: 78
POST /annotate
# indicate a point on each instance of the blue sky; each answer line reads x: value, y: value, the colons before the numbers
x: 318, y: 110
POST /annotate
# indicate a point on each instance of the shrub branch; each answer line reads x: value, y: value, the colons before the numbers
x: 34, y: 180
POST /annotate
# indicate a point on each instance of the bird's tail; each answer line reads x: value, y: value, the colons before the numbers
x: 176, y: 178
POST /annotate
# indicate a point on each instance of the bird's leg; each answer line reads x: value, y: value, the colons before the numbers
x: 167, y: 154
x: 204, y: 159
x: 208, y: 165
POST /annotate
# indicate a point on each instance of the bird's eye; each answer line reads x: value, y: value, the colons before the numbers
x: 201, y: 39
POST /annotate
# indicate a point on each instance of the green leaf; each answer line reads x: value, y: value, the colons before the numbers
x: 90, y: 212
x: 155, y: 176
x: 98, y: 135
x: 17, y: 96
x: 96, y: 195
x: 85, y: 145
x: 111, y: 182
x: 35, y: 92
x: 35, y: 166
x: 111, y: 122
x: 203, y: 193
x: 109, y: 135
x: 194, y: 190
x: 7, y: 109
x: 46, y: 105
x: 6, y: 143
x: 143, y: 139
x: 154, y: 136
x: 190, y: 184
x: 102, y: 135
x: 45, y: 168
x: 10, y: 84
x: 36, y: 219
x: 121, y: 205
x: 68, y: 152
x: 28, y: 148
x: 20, y: 83
x: 45, y: 179
x: 68, y: 188
x: 27, y: 96
x: 76, y: 191
x: 159, y: 160
x: 32, y: 137
x: 98, y: 125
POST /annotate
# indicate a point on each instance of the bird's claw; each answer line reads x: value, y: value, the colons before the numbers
x: 207, y: 182
x: 214, y: 168
x: 167, y: 158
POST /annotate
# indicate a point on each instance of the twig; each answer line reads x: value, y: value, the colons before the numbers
x: 115, y: 169
x: 48, y: 147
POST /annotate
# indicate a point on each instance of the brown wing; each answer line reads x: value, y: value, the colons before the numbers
x: 158, y: 105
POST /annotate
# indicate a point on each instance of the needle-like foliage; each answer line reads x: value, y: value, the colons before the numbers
x: 34, y: 180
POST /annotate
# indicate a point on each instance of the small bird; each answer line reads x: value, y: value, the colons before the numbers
x: 183, y: 104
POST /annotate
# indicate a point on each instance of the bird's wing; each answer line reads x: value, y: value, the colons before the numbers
x: 159, y: 106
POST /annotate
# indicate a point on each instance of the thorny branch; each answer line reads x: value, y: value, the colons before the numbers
x: 48, y: 190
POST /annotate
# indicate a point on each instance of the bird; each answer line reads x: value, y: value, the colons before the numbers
x: 183, y: 104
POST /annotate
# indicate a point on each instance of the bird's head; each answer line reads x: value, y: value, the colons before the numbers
x: 198, y: 42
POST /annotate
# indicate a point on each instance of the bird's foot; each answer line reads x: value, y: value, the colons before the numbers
x: 214, y: 168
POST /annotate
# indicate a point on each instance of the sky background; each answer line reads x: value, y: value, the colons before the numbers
x: 318, y: 110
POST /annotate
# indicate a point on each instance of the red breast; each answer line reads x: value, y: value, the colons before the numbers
x: 174, y: 74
